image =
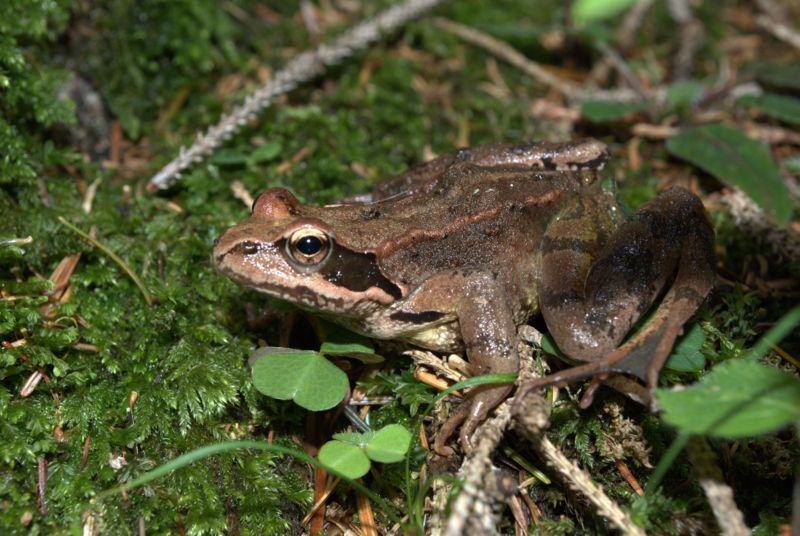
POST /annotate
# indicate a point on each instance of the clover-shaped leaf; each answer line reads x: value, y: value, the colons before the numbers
x: 339, y: 342
x: 390, y: 444
x: 350, y: 453
x: 345, y: 458
x: 306, y: 377
x: 355, y: 438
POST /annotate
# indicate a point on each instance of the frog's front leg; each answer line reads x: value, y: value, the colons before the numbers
x: 486, y: 322
x: 589, y: 307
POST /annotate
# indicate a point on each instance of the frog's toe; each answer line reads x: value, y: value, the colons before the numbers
x: 449, y: 427
x: 469, y: 415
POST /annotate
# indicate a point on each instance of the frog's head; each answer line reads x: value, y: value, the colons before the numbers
x: 285, y: 252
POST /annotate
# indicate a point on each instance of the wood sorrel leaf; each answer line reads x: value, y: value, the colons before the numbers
x: 306, y: 377
x: 345, y: 458
x: 390, y: 444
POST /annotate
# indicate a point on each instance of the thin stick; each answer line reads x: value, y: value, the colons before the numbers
x: 719, y: 494
x: 41, y: 488
x: 779, y: 30
x: 509, y: 54
x: 579, y: 480
x: 114, y: 257
x: 302, y: 68
x: 625, y: 34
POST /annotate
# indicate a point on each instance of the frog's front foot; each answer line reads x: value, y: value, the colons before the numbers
x: 469, y: 414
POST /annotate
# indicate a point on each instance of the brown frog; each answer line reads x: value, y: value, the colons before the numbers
x: 456, y: 253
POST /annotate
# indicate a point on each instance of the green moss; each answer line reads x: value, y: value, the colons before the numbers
x: 184, y: 356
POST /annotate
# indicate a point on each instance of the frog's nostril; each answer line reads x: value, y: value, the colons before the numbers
x: 249, y: 248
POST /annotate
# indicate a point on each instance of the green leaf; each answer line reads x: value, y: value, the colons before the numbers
x: 792, y: 164
x: 228, y: 158
x: 686, y: 356
x: 736, y: 399
x: 390, y: 444
x: 340, y: 342
x: 549, y: 345
x: 684, y: 93
x: 599, y: 111
x: 584, y: 11
x: 737, y: 161
x: 355, y: 438
x: 345, y: 458
x: 309, y: 379
x: 266, y: 152
x: 781, y: 107
x: 782, y: 76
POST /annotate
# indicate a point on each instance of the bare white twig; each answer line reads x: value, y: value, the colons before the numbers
x: 783, y: 32
x: 530, y: 421
x: 579, y: 480
x: 781, y: 242
x: 300, y: 69
x: 718, y: 493
x: 773, y: 9
x: 508, y: 53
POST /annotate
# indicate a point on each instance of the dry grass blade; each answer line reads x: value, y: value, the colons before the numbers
x: 366, y: 516
x: 114, y: 257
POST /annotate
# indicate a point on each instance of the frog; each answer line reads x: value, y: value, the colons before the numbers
x: 455, y: 254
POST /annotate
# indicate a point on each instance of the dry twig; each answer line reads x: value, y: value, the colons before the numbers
x: 719, y: 494
x: 509, y: 54
x: 530, y: 422
x: 781, y: 31
x: 750, y: 219
x: 300, y: 69
x: 473, y: 512
x: 625, y: 34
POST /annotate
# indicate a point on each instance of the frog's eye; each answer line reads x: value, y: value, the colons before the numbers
x: 308, y: 246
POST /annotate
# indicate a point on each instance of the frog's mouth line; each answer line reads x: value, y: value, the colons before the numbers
x: 310, y: 290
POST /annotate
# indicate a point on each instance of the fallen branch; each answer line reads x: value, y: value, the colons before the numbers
x: 302, y: 68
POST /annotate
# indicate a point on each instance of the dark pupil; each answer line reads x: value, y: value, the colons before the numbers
x: 309, y: 245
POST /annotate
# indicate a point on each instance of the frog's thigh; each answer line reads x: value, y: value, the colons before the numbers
x: 489, y: 334
x: 588, y: 314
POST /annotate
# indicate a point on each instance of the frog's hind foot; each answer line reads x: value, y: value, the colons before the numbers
x: 448, y: 429
x: 643, y: 355
x: 468, y: 416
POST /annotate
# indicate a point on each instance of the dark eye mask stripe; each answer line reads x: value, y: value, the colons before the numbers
x: 357, y: 271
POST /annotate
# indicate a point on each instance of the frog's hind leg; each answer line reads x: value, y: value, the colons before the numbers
x: 589, y: 307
